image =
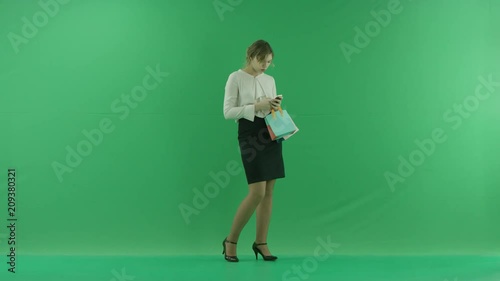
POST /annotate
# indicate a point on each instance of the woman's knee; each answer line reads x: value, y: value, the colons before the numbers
x: 269, y: 188
x: 257, y: 190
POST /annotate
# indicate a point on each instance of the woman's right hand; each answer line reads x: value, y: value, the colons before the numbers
x: 266, y: 104
x: 263, y: 105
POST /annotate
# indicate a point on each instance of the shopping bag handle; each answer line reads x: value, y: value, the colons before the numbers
x: 273, y: 112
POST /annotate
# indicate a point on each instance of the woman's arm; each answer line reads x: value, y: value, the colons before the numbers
x: 273, y: 90
x: 231, y: 108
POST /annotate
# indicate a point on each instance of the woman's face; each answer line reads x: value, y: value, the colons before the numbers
x: 261, y: 66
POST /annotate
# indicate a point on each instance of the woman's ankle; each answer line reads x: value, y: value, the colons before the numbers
x: 231, y: 238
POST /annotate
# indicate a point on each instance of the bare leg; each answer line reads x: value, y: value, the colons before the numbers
x: 246, y: 209
x: 264, y: 217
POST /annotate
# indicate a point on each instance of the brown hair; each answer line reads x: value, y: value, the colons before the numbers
x: 259, y: 49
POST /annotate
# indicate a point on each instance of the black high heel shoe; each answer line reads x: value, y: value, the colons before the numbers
x: 257, y: 251
x: 228, y: 258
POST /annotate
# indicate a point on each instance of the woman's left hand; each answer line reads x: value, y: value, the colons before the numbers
x: 276, y: 102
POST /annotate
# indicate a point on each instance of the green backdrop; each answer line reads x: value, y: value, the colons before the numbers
x: 111, y: 116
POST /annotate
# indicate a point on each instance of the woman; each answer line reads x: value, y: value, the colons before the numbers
x: 249, y: 97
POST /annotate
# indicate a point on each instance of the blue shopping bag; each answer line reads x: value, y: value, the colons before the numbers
x: 280, y: 125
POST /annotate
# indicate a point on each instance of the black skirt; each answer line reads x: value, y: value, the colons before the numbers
x: 262, y: 157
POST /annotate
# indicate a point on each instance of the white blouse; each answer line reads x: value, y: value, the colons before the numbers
x: 243, y: 90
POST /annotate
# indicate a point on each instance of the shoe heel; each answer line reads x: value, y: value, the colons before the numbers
x: 256, y: 250
x: 226, y: 257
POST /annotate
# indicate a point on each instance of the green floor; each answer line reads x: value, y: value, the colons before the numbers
x: 287, y: 268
